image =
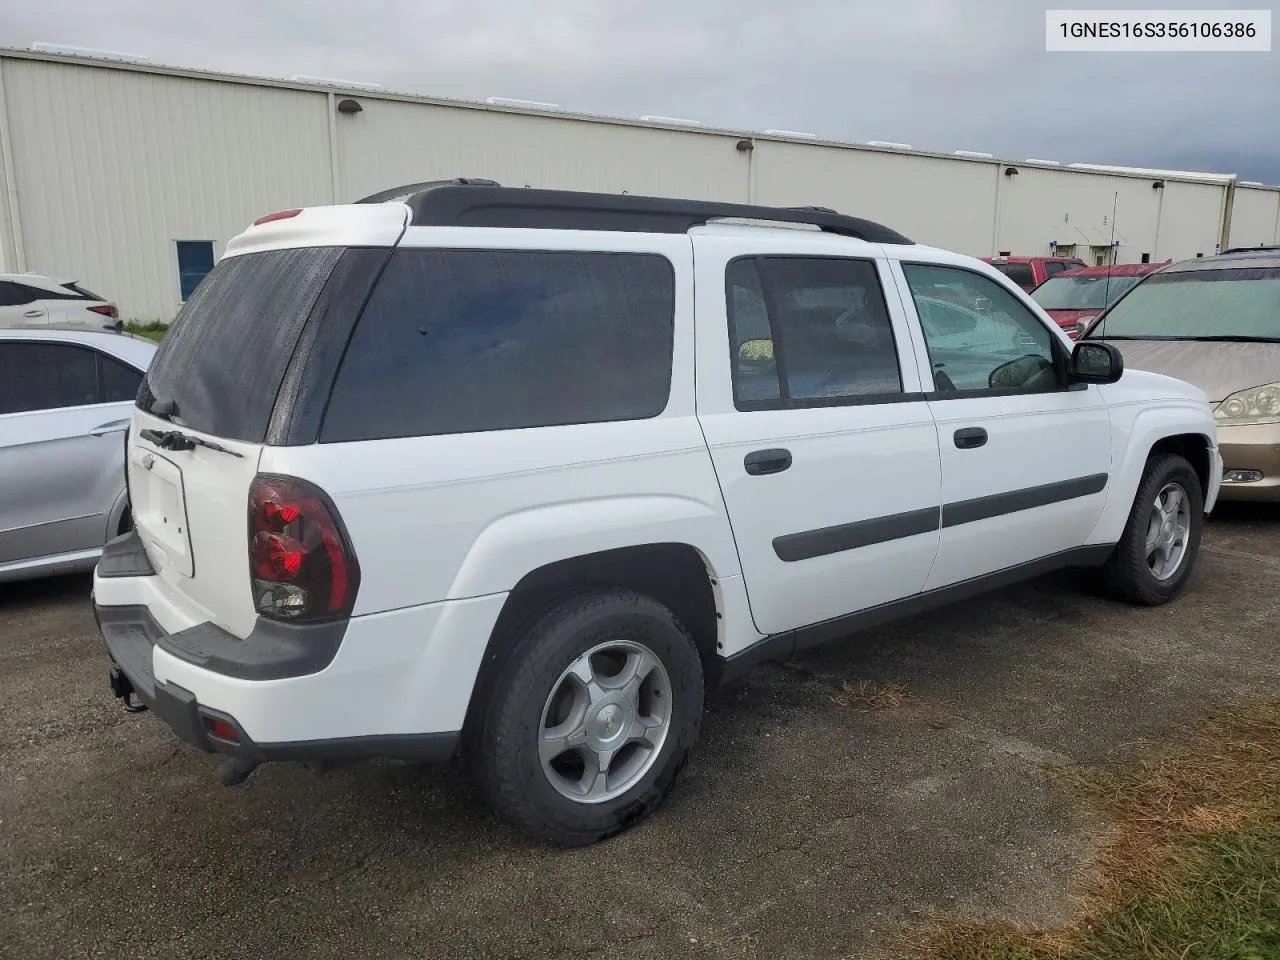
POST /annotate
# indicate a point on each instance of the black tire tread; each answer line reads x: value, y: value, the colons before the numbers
x: 1126, y: 574
x: 500, y: 731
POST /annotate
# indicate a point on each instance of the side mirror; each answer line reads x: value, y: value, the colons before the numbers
x: 1095, y: 362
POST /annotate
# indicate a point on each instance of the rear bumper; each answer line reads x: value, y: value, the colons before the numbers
x: 131, y: 635
x: 391, y: 684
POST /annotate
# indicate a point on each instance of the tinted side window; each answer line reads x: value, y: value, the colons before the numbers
x: 807, y: 330
x: 986, y: 340
x: 1052, y: 268
x: 459, y: 341
x: 46, y: 376
x: 119, y: 381
x: 13, y: 295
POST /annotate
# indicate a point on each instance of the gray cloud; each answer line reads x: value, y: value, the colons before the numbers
x: 964, y: 74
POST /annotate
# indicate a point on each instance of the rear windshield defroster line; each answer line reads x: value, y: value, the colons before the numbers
x: 220, y: 367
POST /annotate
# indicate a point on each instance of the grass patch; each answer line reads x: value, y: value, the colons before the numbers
x: 1191, y: 870
x: 152, y: 331
x: 868, y: 695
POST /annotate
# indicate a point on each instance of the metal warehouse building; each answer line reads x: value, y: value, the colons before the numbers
x: 130, y: 177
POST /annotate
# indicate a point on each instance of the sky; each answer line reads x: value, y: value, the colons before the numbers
x: 938, y: 74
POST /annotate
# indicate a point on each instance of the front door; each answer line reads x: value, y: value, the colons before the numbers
x: 1025, y: 457
x: 824, y: 447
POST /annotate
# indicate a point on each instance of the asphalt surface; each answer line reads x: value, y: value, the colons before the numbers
x: 803, y: 828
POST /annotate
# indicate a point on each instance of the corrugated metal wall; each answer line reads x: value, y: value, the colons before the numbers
x: 111, y: 164
x: 112, y: 167
x: 945, y: 203
x: 1074, y: 207
x: 1255, y: 217
x: 392, y: 142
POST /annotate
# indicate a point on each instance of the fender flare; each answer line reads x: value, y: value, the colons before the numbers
x: 116, y: 514
x: 1148, y: 428
x: 518, y: 543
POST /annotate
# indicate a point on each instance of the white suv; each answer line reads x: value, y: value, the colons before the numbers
x: 34, y: 300
x: 520, y: 472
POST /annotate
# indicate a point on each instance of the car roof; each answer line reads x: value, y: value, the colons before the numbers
x: 1114, y: 270
x: 1030, y: 259
x: 1243, y: 259
x: 137, y: 351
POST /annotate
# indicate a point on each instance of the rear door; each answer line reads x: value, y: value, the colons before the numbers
x: 19, y: 308
x: 1025, y: 457
x: 61, y: 453
x: 810, y: 402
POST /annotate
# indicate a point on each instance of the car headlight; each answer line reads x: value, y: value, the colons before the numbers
x: 1083, y: 324
x: 1255, y: 405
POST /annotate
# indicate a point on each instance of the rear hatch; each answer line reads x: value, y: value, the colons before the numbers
x: 208, y: 404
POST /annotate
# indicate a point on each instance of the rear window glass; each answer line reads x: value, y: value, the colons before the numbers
x: 226, y: 352
x: 459, y: 341
x: 1019, y: 273
x: 87, y: 294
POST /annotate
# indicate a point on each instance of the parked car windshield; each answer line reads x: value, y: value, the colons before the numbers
x: 1080, y: 293
x: 1198, y: 305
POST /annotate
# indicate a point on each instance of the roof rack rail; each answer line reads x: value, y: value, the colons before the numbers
x: 483, y: 203
x: 409, y: 189
x: 1261, y: 248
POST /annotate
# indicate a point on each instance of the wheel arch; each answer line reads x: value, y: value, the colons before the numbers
x: 118, y: 516
x: 675, y: 573
x: 1165, y: 429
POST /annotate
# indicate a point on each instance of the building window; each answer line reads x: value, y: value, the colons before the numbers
x: 195, y: 259
x: 1146, y: 258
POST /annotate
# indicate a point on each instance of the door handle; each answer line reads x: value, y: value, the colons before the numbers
x: 115, y: 426
x: 33, y: 313
x: 761, y: 462
x: 970, y: 437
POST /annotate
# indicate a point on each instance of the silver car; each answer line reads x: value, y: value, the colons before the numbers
x: 65, y: 399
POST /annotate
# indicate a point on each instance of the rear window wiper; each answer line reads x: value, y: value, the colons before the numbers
x: 177, y: 440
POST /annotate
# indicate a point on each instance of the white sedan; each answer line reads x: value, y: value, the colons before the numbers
x: 65, y: 400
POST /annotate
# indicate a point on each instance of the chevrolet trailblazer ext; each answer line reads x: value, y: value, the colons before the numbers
x: 518, y: 473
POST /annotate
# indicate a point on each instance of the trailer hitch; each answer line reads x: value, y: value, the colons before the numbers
x: 123, y: 689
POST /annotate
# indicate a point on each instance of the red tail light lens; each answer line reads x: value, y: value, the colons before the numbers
x: 300, y: 559
x: 279, y: 215
x: 107, y: 310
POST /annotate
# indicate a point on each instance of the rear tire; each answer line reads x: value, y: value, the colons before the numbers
x: 1157, y: 551
x: 591, y: 720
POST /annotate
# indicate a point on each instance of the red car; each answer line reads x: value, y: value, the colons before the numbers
x: 1030, y: 272
x: 1074, y: 297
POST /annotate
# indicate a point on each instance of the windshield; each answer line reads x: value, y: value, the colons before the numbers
x: 1081, y: 293
x: 1198, y: 305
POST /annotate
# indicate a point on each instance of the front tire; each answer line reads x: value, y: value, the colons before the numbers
x: 1157, y: 551
x: 592, y: 719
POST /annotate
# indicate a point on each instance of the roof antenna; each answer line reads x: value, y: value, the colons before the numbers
x: 1106, y: 289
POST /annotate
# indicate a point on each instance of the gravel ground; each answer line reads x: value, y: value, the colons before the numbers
x: 803, y: 828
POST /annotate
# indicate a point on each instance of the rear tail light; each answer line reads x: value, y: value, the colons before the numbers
x: 301, y: 563
x: 107, y: 310
x: 279, y: 215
